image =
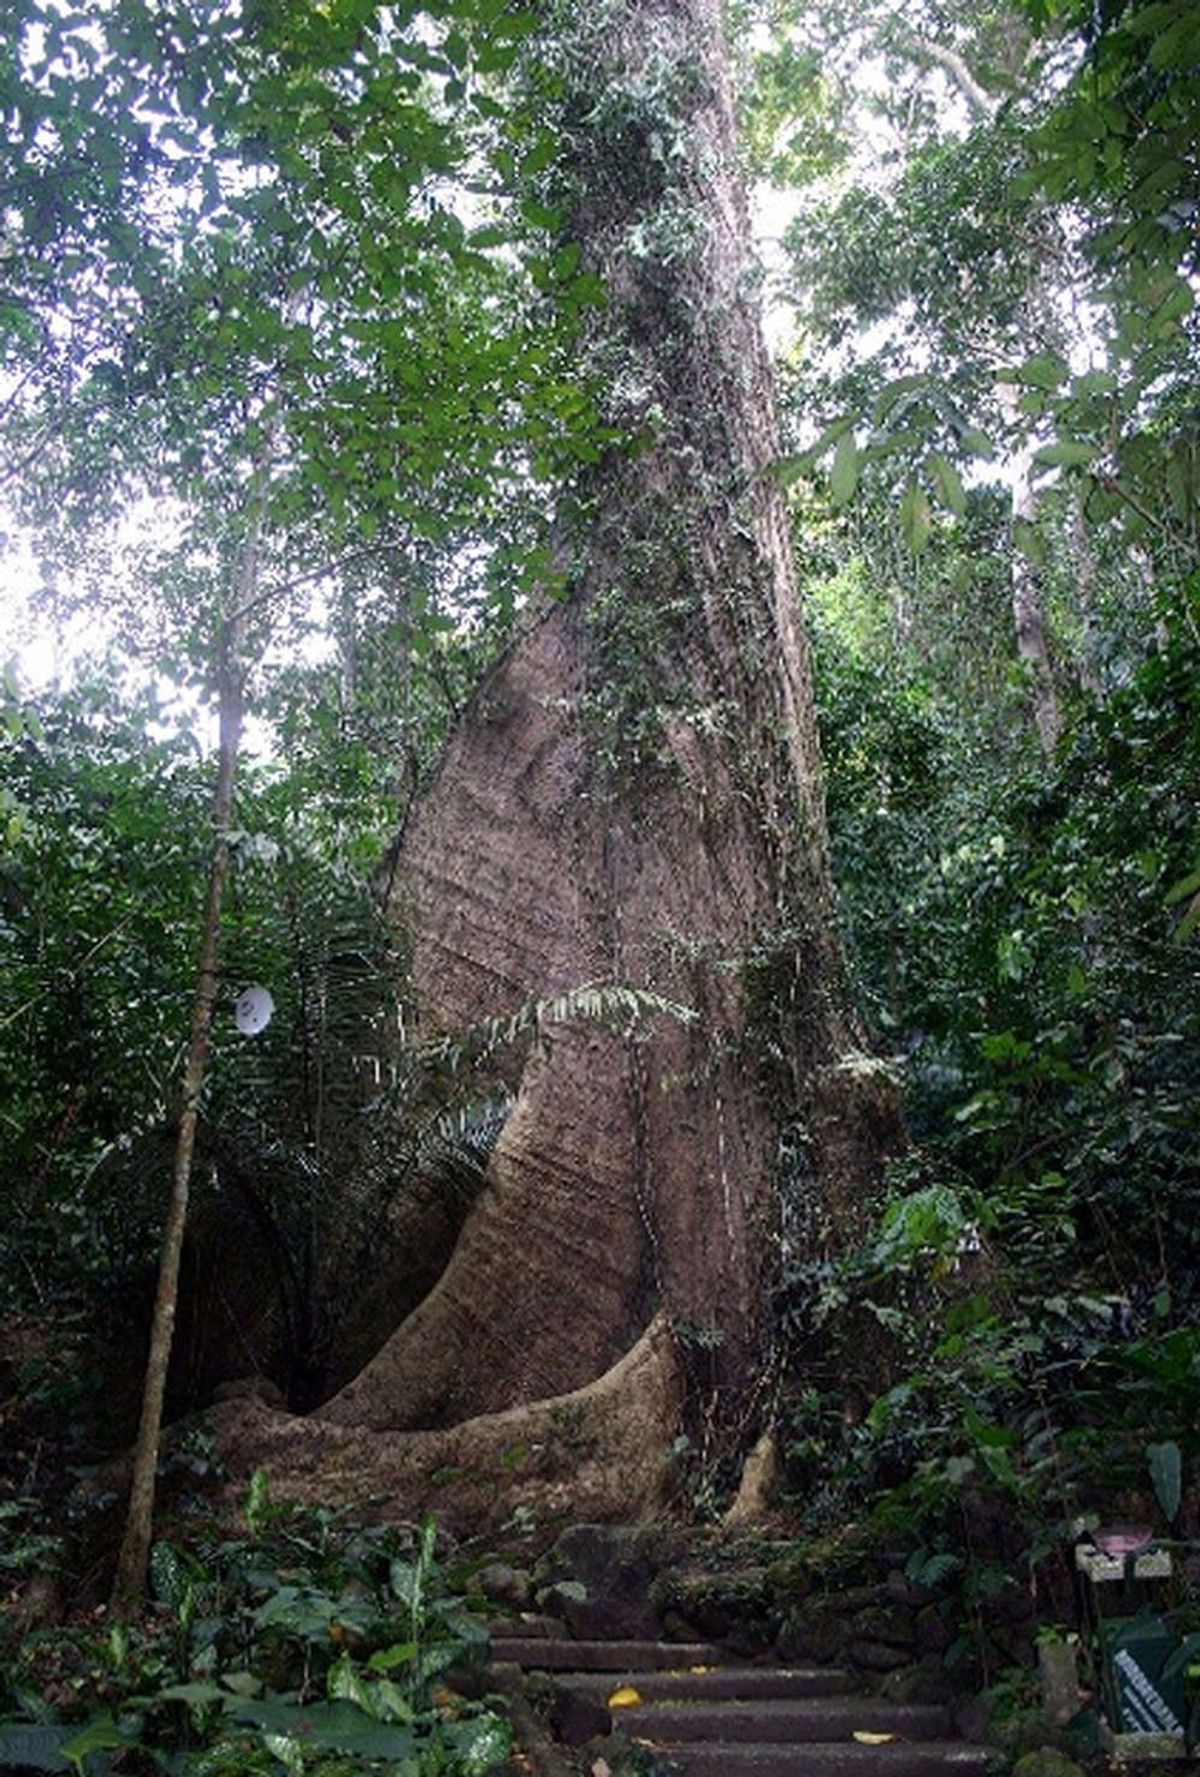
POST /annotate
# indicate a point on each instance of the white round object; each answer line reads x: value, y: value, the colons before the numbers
x: 253, y: 1011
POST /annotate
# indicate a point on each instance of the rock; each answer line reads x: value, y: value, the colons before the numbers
x: 851, y: 1599
x: 614, y: 1754
x: 901, y: 1590
x: 600, y: 1577
x: 1047, y: 1762
x: 1058, y: 1666
x: 973, y: 1717
x: 1026, y: 1731
x: 933, y: 1631
x: 570, y: 1601
x: 713, y: 1604
x: 927, y: 1682
x: 1012, y: 1644
x: 676, y: 1627
x: 748, y: 1641
x: 875, y: 1656
x: 577, y: 1715
x: 760, y: 1477
x: 884, y: 1622
x: 502, y: 1584
x: 804, y: 1637
x: 1010, y: 1605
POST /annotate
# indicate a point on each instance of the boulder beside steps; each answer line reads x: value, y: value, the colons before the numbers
x: 702, y: 1714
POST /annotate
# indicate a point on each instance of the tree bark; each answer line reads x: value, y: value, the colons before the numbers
x: 635, y: 797
x: 1029, y: 619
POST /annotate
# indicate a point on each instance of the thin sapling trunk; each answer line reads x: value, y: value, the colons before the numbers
x: 129, y: 1585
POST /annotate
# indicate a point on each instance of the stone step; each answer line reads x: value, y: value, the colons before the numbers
x: 782, y: 1721
x: 719, y: 1683
x: 898, y: 1758
x: 546, y: 1654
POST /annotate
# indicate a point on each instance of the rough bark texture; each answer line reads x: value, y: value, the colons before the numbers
x: 634, y: 797
x: 596, y: 1453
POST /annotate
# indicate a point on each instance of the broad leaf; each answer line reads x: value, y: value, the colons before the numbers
x: 843, y: 477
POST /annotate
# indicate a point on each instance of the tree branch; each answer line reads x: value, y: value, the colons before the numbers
x: 983, y: 103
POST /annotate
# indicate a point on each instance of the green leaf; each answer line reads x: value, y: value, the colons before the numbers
x: 388, y: 1658
x: 101, y: 1735
x: 347, y: 1682
x: 289, y: 1752
x: 337, y: 1726
x: 170, y: 1576
x: 1166, y: 1475
x: 1030, y: 539
x: 1179, y: 891
x: 482, y: 1743
x: 843, y: 477
x: 916, y: 521
x: 1188, y: 924
x: 195, y: 1694
x: 33, y: 1746
x: 390, y: 1702
x: 948, y: 483
x: 790, y: 469
x: 891, y: 393
x: 1045, y: 370
x: 242, y: 1684
x: 1067, y: 453
x: 976, y: 443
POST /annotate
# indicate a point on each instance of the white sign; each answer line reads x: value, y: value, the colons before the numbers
x: 253, y: 1011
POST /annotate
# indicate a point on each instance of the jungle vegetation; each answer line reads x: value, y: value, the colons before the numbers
x: 361, y: 365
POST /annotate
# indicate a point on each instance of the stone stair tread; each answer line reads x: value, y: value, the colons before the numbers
x: 547, y: 1654
x: 721, y: 1682
x: 898, y: 1758
x: 778, y: 1719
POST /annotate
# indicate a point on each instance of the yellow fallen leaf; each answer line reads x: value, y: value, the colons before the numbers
x: 866, y: 1739
x: 625, y: 1698
x: 701, y: 1669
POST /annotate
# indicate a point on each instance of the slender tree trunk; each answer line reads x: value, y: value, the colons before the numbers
x: 130, y: 1582
x: 1029, y: 618
x: 1083, y: 559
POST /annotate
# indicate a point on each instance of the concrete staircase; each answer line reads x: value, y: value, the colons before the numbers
x: 704, y: 1715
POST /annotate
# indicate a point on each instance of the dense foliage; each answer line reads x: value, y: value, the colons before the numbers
x: 296, y: 1639
x: 275, y: 283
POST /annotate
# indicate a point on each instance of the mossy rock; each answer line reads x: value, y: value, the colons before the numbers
x: 927, y: 1682
x: 717, y: 1604
x: 888, y: 1623
x: 1047, y: 1761
x: 1028, y: 1731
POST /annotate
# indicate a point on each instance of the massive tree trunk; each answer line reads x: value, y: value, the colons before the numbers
x: 634, y: 797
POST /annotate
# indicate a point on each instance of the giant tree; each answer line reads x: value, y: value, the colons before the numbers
x: 632, y: 800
